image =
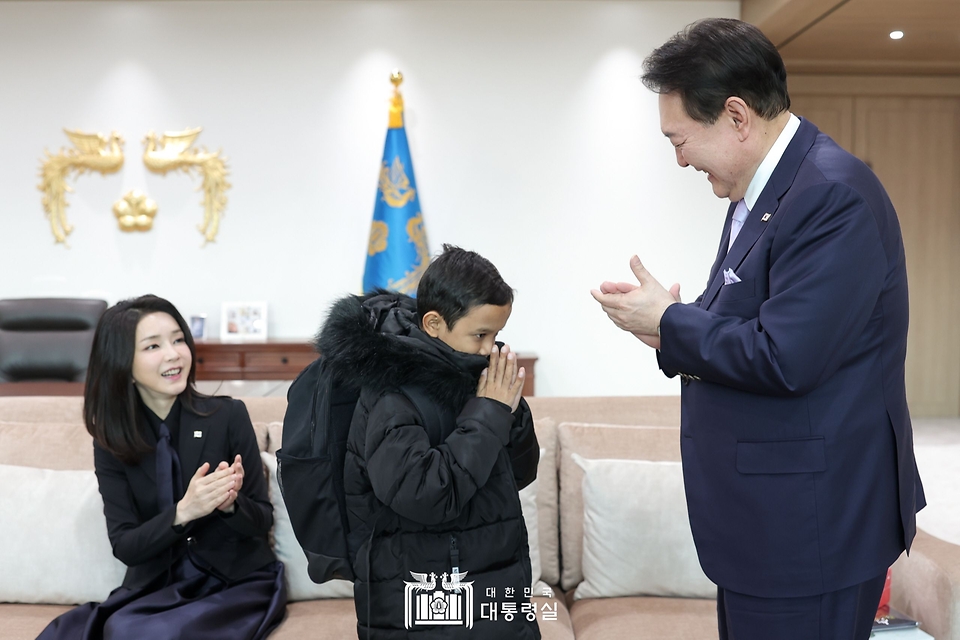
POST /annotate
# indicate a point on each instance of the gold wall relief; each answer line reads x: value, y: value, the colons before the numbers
x: 92, y: 152
x: 174, y: 151
x: 135, y: 211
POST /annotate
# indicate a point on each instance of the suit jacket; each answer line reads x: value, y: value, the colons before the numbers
x: 796, y: 441
x: 143, y: 537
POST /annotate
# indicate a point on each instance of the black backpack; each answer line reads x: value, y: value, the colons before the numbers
x: 310, y: 464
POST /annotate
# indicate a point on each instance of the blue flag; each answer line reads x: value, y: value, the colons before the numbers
x: 397, y: 254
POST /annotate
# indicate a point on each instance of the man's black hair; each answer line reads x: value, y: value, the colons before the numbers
x: 714, y: 59
x: 457, y: 281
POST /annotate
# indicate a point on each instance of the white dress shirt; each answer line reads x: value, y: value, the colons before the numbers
x: 762, y: 176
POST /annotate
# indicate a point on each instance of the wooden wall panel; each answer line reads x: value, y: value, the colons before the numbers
x: 913, y: 144
x: 801, y: 84
x: 832, y: 114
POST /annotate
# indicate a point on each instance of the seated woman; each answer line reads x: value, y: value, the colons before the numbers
x: 183, y: 492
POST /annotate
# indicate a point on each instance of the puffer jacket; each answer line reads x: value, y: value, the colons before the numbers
x: 418, y: 509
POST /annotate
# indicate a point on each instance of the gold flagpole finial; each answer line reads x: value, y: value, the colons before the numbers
x: 396, y: 103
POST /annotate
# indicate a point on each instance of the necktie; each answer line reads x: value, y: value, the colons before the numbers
x: 169, y: 489
x: 739, y: 217
x: 168, y: 470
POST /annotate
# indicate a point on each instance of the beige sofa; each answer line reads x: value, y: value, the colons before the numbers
x: 47, y: 433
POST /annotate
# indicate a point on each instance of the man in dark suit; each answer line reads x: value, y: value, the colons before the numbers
x: 797, y: 447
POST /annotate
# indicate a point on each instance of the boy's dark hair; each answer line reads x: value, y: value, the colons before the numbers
x: 457, y: 281
x: 714, y: 59
x: 110, y: 399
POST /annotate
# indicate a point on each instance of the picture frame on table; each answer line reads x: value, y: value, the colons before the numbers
x: 198, y: 327
x: 243, y: 321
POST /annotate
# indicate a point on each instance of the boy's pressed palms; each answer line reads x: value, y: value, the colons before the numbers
x: 502, y: 380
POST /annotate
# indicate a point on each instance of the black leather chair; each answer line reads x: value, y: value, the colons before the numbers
x: 47, y: 339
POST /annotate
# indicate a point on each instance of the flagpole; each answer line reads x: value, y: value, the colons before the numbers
x: 396, y: 103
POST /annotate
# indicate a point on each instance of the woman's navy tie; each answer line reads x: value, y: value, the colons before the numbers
x: 168, y: 470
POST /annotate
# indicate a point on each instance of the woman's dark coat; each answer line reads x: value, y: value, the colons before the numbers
x: 451, y: 503
x: 143, y: 537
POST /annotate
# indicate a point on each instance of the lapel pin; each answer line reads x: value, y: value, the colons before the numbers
x: 198, y: 434
x: 765, y: 217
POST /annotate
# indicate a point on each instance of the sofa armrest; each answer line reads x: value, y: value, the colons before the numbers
x: 926, y: 585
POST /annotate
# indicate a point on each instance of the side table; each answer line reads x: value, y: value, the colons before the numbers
x: 282, y: 359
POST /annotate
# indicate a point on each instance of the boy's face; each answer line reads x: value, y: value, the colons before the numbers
x: 476, y: 332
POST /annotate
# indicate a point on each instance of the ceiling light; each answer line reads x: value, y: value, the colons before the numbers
x: 896, y: 35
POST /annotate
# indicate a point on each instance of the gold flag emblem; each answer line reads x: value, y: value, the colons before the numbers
x: 379, y: 232
x: 395, y: 185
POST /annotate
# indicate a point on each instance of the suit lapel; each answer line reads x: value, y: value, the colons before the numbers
x: 764, y: 209
x: 751, y: 231
x: 193, y: 437
x: 721, y: 250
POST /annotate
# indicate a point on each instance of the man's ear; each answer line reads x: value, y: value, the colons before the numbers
x: 739, y: 115
x: 432, y: 323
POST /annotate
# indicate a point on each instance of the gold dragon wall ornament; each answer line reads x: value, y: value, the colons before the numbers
x: 93, y: 152
x: 173, y: 151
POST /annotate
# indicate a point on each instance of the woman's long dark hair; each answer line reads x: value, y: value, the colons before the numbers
x: 110, y: 398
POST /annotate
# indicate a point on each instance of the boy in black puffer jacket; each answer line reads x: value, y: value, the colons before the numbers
x: 434, y: 526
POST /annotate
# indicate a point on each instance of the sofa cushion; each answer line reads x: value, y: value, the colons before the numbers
x: 548, y: 515
x: 627, y: 410
x: 559, y: 628
x: 275, y: 431
x: 599, y: 441
x: 636, y: 532
x: 926, y: 585
x: 53, y: 538
x: 55, y: 445
x: 63, y: 445
x: 318, y: 620
x: 299, y: 584
x: 262, y: 430
x: 26, y: 621
x: 660, y: 618
x: 28, y: 440
x: 42, y: 409
x: 548, y: 412
x: 270, y: 409
x: 528, y: 506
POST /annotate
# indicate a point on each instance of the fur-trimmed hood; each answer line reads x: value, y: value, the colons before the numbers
x: 375, y: 341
